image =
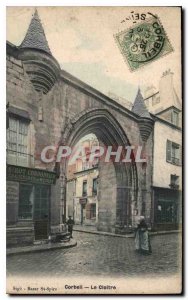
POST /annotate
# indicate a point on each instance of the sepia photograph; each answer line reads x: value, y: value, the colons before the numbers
x: 94, y: 150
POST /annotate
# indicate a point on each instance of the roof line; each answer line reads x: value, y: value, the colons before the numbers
x: 156, y: 118
x: 166, y: 109
x: 139, y: 106
x: 35, y: 36
x: 151, y: 95
x: 87, y: 170
x: 76, y: 82
x: 71, y: 79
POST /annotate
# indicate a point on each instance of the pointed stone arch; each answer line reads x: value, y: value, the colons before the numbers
x: 123, y: 184
x: 93, y: 118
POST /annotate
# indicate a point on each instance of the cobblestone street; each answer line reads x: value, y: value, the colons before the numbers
x: 100, y: 255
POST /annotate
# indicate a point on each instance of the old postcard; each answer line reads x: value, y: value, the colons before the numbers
x: 94, y: 150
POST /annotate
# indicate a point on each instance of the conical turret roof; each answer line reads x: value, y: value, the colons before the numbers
x: 139, y: 107
x: 35, y: 37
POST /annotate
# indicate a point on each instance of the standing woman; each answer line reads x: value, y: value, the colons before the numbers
x: 142, y: 239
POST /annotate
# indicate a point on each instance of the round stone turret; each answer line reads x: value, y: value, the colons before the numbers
x: 145, y: 122
x: 41, y: 67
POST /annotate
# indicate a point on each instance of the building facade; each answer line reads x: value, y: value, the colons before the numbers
x: 167, y: 163
x: 48, y: 106
x: 85, y: 200
x: 82, y: 187
x: 51, y: 107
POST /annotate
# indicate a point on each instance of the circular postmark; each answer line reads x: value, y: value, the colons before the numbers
x: 144, y: 42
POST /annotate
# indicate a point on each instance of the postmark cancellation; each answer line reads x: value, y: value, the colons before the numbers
x: 143, y: 43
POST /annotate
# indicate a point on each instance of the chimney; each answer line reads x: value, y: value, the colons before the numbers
x: 166, y: 89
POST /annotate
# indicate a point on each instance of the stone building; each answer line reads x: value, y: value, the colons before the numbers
x: 82, y: 187
x: 48, y: 106
x: 167, y: 162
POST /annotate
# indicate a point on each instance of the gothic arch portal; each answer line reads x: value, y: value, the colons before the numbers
x: 116, y: 193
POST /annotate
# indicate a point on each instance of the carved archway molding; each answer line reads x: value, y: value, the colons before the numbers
x: 83, y: 122
x: 108, y: 130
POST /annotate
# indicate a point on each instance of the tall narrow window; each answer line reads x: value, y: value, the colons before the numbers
x: 91, y: 211
x: 95, y: 186
x: 168, y: 150
x: 17, y: 142
x: 173, y: 153
x: 84, y: 192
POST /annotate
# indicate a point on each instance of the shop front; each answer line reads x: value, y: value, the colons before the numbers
x: 28, y: 204
x: 166, y: 208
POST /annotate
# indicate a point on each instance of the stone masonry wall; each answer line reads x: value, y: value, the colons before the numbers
x: 60, y: 105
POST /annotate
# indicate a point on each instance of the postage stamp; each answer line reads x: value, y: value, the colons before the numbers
x: 143, y: 43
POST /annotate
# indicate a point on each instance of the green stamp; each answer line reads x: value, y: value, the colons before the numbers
x: 143, y: 43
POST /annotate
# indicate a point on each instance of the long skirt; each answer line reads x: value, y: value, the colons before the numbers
x: 142, y: 241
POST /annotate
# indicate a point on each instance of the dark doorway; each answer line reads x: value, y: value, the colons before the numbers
x: 123, y: 208
x: 41, y: 211
x: 83, y: 213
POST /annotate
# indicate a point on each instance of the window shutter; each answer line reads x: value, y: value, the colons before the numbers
x: 168, y: 150
x: 180, y: 155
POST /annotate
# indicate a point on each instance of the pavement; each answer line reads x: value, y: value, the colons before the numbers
x: 93, y: 230
x: 101, y: 255
x: 72, y: 243
x: 41, y: 247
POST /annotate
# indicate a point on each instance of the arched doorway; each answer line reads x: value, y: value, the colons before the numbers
x: 117, y: 180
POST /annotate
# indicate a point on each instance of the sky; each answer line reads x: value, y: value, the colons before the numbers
x: 82, y: 40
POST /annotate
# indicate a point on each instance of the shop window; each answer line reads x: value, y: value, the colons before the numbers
x: 166, y: 212
x: 26, y: 201
x: 17, y: 142
x: 84, y: 191
x: 33, y: 201
x: 173, y: 153
x: 94, y: 189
